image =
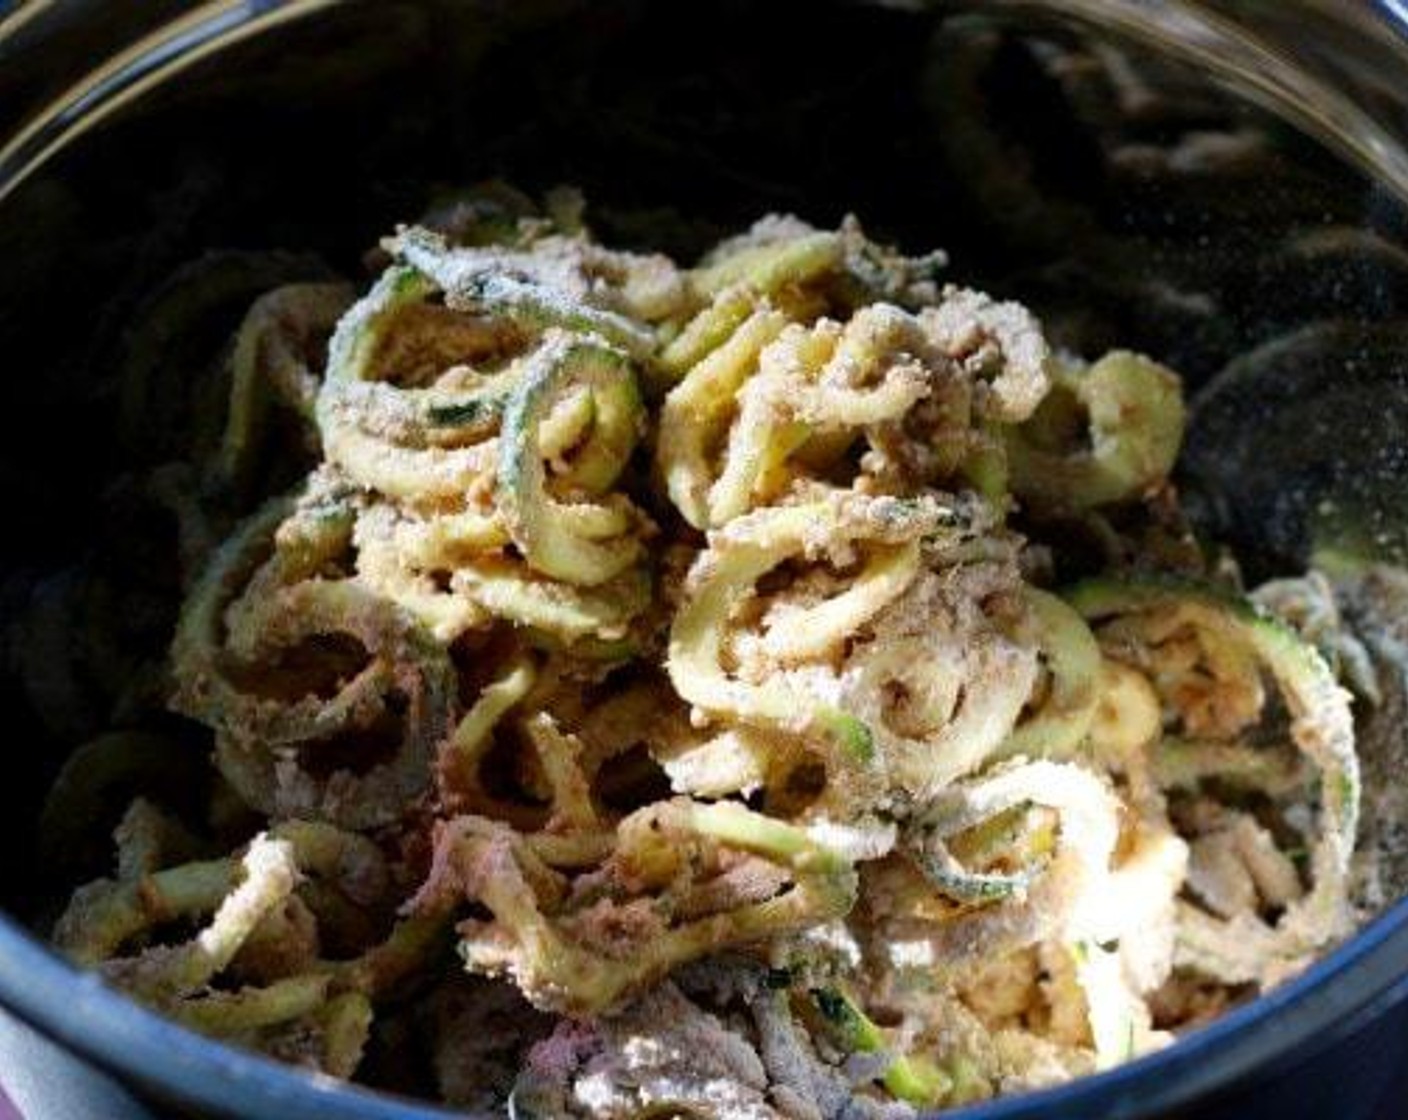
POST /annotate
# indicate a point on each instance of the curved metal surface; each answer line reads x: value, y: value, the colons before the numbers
x: 1338, y: 70
x: 133, y: 71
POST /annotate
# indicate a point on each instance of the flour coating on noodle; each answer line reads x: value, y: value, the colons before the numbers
x: 655, y: 696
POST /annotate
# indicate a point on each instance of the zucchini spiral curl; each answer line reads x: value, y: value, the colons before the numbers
x: 1133, y: 408
x: 246, y: 661
x: 758, y: 689
x: 683, y: 879
x: 775, y: 401
x: 268, y: 914
x: 489, y: 407
x: 1207, y: 657
x: 1067, y: 846
x: 872, y: 656
x: 276, y: 363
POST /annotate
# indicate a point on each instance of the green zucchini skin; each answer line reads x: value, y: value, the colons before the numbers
x: 909, y: 1078
x: 354, y: 349
x: 1136, y: 418
x: 1320, y: 725
x: 1100, y: 597
x: 480, y: 409
x: 547, y: 543
x: 1298, y: 666
x: 263, y: 591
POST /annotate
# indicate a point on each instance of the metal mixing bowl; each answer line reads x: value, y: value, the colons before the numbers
x: 134, y: 136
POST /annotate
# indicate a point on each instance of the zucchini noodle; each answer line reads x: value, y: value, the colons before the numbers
x: 469, y: 415
x: 582, y: 959
x: 768, y: 401
x: 277, y: 360
x: 1031, y: 903
x: 253, y: 906
x: 1134, y: 409
x: 654, y: 698
x: 1154, y: 623
x: 753, y: 546
x: 262, y: 599
x: 1059, y: 725
x: 580, y: 544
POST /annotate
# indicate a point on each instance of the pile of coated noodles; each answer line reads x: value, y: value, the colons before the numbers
x: 667, y: 693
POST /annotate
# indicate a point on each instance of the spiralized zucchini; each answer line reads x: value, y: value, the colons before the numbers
x: 767, y: 402
x: 484, y: 422
x: 277, y: 361
x: 1134, y: 410
x: 1208, y: 655
x: 264, y: 912
x: 582, y: 955
x: 247, y: 628
x: 658, y: 635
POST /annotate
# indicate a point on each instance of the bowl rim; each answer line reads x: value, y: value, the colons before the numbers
x: 1331, y: 1000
